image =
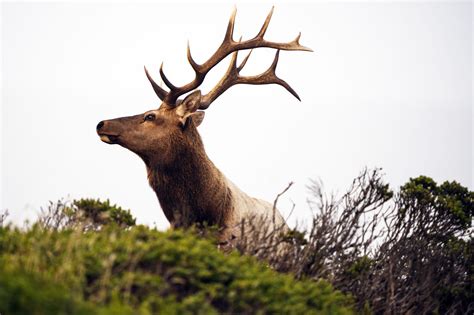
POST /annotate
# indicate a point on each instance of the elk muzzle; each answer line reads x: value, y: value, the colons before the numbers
x: 105, y: 136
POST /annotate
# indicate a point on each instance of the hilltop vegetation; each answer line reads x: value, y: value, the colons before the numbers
x: 372, y: 250
x: 66, y: 266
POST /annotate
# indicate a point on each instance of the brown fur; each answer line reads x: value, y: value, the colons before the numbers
x: 192, y: 190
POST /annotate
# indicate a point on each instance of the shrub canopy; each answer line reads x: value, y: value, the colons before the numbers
x: 145, y: 271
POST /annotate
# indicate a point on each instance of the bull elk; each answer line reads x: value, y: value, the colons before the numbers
x: 190, y: 189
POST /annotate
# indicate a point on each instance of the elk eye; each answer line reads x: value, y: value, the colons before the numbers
x: 150, y: 117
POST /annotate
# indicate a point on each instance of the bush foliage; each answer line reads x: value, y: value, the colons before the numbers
x: 371, y: 250
x: 139, y: 270
x: 86, y: 214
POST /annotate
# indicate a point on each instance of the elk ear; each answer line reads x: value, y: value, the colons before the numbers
x: 197, y: 118
x: 189, y: 106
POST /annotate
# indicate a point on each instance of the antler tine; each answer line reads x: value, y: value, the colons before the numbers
x: 228, y: 38
x: 265, y: 25
x: 271, y: 76
x: 160, y: 92
x: 242, y: 64
x: 165, y: 79
x: 191, y: 60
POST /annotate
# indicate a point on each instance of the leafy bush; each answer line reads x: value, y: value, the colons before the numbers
x: 401, y: 252
x: 145, y: 271
x: 87, y: 214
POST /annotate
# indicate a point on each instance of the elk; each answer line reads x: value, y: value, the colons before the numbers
x: 190, y: 189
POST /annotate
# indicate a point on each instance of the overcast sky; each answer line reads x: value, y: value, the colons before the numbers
x: 388, y: 85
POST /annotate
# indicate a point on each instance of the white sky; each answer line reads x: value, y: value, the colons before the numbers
x: 389, y: 85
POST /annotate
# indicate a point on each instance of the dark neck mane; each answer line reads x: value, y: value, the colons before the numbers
x: 191, y: 190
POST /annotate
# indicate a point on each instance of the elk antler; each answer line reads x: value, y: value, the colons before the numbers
x: 232, y: 76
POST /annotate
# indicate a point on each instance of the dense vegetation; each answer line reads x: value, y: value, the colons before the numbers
x: 372, y: 250
x: 409, y: 252
x: 94, y: 264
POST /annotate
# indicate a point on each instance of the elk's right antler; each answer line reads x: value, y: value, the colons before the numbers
x: 232, y: 76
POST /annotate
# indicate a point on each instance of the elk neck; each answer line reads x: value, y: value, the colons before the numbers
x: 191, y: 190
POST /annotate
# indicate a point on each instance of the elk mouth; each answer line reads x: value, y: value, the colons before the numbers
x: 108, y: 138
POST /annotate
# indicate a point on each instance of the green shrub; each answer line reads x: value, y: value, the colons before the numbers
x: 102, y: 212
x: 85, y: 214
x: 142, y: 270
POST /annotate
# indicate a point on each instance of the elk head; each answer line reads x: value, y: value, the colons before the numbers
x: 160, y: 135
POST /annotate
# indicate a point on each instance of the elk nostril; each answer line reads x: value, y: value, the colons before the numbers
x: 99, y: 125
